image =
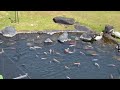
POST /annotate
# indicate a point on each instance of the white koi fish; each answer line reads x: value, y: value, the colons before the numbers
x: 96, y: 64
x: 55, y: 60
x: 66, y: 67
x: 21, y: 76
x: 111, y: 65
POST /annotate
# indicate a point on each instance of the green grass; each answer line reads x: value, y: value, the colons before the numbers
x: 42, y: 20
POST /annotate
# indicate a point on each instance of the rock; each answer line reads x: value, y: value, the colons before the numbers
x: 107, y: 38
x: 83, y: 28
x: 48, y: 40
x: 108, y: 29
x: 63, y: 38
x: 51, y: 33
x: 64, y: 20
x: 98, y: 37
x: 77, y: 38
x: 118, y: 47
x: 116, y: 34
x: 9, y: 31
x: 87, y: 37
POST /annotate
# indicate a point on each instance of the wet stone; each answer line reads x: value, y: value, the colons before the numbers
x: 77, y: 38
x: 108, y: 29
x: 48, y: 40
x: 87, y: 37
x: 63, y: 38
x: 9, y: 31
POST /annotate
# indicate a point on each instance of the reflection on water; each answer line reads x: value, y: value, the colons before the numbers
x: 26, y: 53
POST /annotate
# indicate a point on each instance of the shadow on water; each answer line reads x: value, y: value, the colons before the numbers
x: 27, y: 53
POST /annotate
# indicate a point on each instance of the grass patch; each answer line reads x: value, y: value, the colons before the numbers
x: 42, y: 20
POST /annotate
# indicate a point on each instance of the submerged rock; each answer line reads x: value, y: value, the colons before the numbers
x: 77, y: 38
x: 9, y: 31
x: 48, y: 40
x: 63, y: 38
x: 64, y: 20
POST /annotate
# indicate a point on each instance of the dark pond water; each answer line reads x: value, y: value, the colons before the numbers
x: 27, y: 53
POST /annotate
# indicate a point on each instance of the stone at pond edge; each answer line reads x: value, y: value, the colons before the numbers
x: 9, y: 31
x: 87, y: 37
x: 63, y: 38
x: 79, y: 27
x: 108, y: 29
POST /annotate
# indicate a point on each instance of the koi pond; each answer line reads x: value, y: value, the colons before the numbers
x: 42, y: 56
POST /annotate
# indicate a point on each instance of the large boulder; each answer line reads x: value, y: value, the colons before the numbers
x: 9, y: 31
x: 83, y: 28
x: 64, y: 20
x: 63, y: 38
